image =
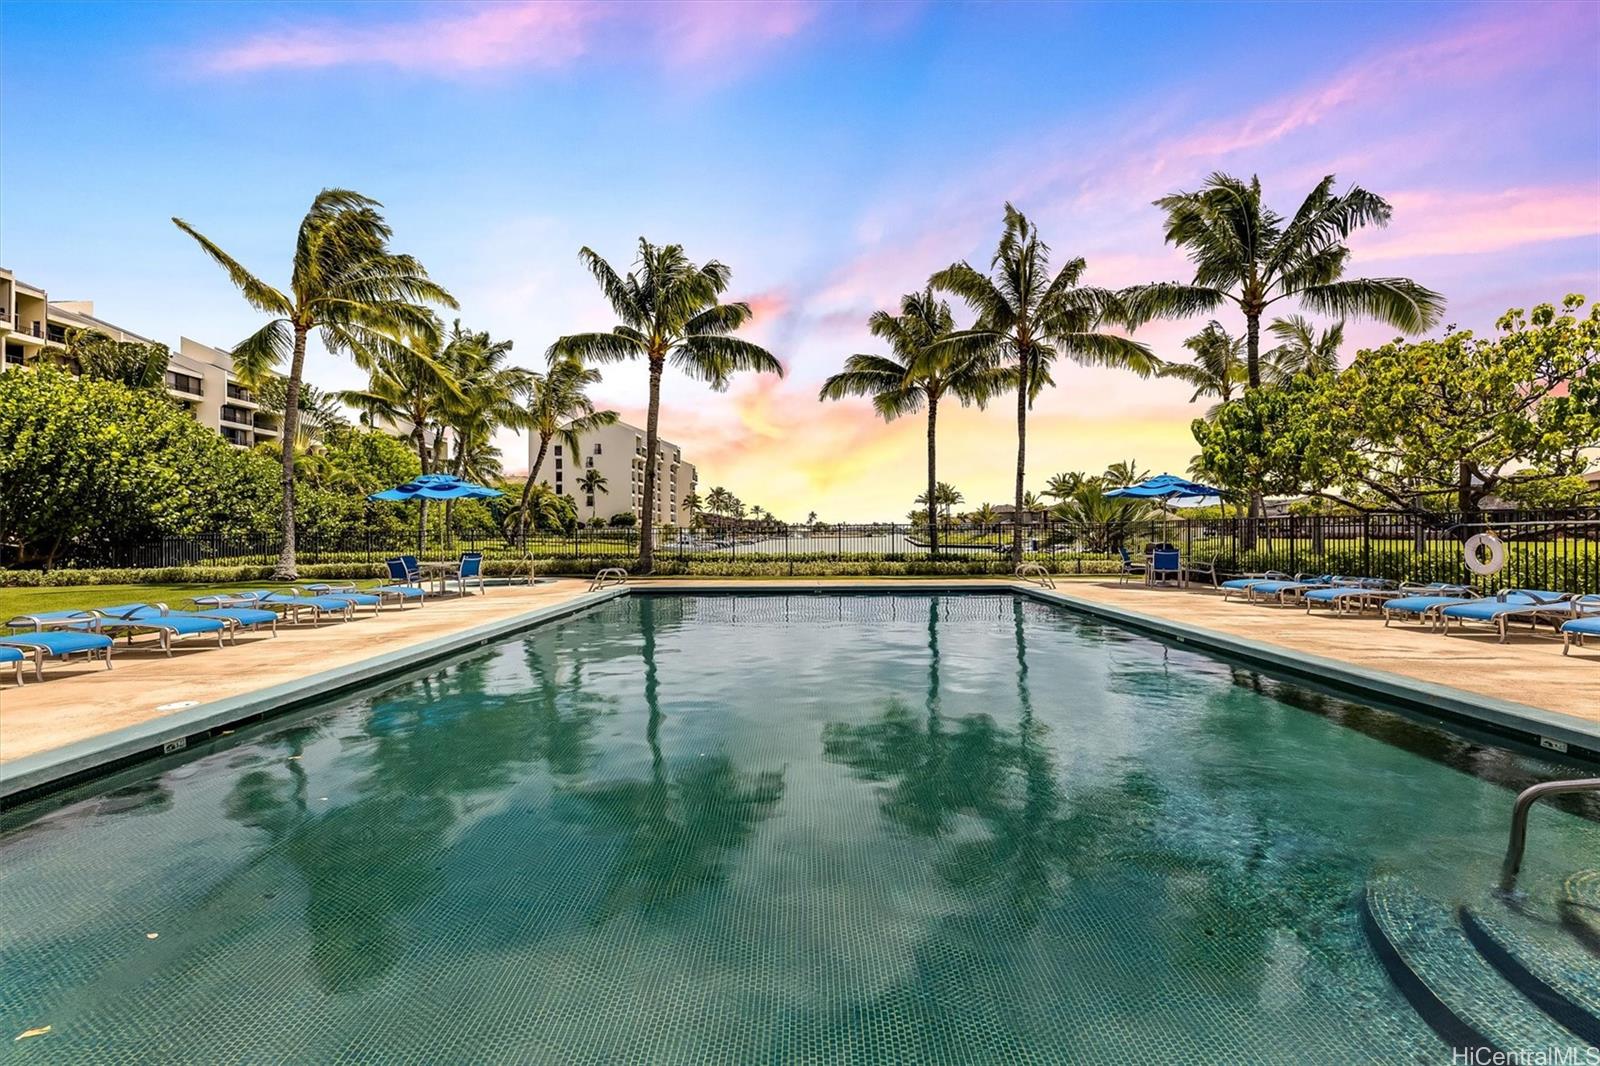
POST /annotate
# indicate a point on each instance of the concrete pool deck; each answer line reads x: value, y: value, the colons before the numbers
x: 83, y: 716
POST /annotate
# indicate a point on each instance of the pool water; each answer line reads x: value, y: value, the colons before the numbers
x: 961, y: 828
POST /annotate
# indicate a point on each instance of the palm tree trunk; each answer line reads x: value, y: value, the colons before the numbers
x: 527, y: 488
x: 647, y: 522
x: 1252, y: 319
x: 1022, y: 463
x: 933, y: 478
x: 286, y: 570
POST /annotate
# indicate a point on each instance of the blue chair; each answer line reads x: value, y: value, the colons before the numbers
x: 468, y: 569
x: 18, y: 656
x: 1499, y: 610
x: 286, y: 602
x: 349, y: 592
x: 1425, y: 604
x: 1129, y: 568
x: 1245, y: 583
x: 1165, y: 563
x: 59, y: 644
x: 404, y: 570
x: 132, y: 618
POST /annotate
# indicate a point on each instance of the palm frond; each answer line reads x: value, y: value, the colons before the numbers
x: 259, y: 294
x: 1398, y: 302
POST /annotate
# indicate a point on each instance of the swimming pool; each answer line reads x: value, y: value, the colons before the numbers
x: 937, y: 828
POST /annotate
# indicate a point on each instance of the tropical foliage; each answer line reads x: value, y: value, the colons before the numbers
x: 671, y: 314
x: 559, y: 408
x: 924, y: 366
x: 347, y: 286
x: 1029, y: 317
x: 92, y: 354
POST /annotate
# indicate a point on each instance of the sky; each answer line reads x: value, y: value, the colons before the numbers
x: 833, y: 155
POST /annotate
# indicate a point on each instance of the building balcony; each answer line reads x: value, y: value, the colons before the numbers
x: 237, y: 416
x: 236, y: 437
x: 241, y: 396
x: 183, y: 385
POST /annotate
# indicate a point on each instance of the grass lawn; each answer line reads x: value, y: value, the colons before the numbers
x: 15, y: 601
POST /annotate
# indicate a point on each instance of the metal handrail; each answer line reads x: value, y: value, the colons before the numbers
x: 1036, y: 574
x: 614, y: 575
x: 1519, y: 821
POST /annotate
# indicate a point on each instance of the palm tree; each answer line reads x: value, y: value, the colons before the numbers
x: 924, y: 366
x: 348, y: 287
x: 721, y: 501
x: 1028, y: 318
x: 1061, y: 487
x: 95, y: 356
x: 671, y: 312
x: 591, y: 482
x: 985, y: 515
x: 811, y: 518
x: 1301, y: 350
x: 559, y: 407
x: 1218, y: 368
x: 693, y: 502
x: 1123, y: 473
x: 1247, y: 254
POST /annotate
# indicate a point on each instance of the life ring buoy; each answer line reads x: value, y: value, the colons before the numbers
x: 1497, y: 554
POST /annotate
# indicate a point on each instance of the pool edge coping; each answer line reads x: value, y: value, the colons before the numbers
x: 55, y: 768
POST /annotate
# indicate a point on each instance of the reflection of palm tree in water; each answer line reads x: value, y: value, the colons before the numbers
x: 677, y: 826
x: 438, y: 748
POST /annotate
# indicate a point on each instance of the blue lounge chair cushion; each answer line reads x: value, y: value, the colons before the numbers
x: 1588, y: 625
x: 11, y: 655
x: 245, y: 616
x: 326, y: 603
x: 408, y: 591
x: 129, y: 615
x: 1328, y: 595
x: 59, y: 641
x: 1420, y: 604
x: 366, y: 599
x: 1490, y: 608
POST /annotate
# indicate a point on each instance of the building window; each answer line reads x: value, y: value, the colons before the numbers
x: 589, y: 502
x: 597, y: 447
x: 589, y: 462
x: 558, y: 459
x: 558, y: 451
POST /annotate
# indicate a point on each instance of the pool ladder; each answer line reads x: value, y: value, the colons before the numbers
x: 611, y: 575
x: 1519, y: 821
x: 1035, y: 574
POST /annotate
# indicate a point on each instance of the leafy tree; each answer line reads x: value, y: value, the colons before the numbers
x: 1217, y: 369
x: 924, y: 365
x: 348, y: 287
x: 623, y: 520
x: 1246, y: 254
x: 96, y: 464
x: 1028, y: 318
x: 671, y: 312
x: 559, y: 408
x: 92, y: 354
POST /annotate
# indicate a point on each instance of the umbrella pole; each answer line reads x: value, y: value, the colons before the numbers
x: 422, y: 528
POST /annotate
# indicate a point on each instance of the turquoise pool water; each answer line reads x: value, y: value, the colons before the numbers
x: 961, y: 828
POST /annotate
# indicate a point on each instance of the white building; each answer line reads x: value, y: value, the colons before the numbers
x: 200, y: 378
x: 617, y: 452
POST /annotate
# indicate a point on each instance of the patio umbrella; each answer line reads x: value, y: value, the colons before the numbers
x: 1165, y: 488
x: 434, y: 487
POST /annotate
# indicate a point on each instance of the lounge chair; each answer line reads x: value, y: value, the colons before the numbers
x: 132, y: 618
x: 356, y: 597
x: 1280, y: 591
x: 1341, y: 599
x: 470, y: 568
x: 401, y: 594
x: 240, y: 616
x: 19, y: 657
x: 1243, y: 583
x: 1586, y: 624
x: 1499, y: 610
x: 286, y: 603
x: 1425, y: 604
x: 59, y: 644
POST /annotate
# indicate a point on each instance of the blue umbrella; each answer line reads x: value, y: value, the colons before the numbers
x: 434, y: 487
x: 1165, y: 487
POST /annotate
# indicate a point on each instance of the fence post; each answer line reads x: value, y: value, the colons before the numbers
x: 1366, y: 543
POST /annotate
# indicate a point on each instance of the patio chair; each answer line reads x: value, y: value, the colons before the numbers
x: 1499, y: 610
x: 133, y: 618
x: 1206, y: 570
x: 1130, y: 568
x: 58, y: 644
x: 286, y: 603
x: 404, y: 570
x: 1164, y: 563
x: 470, y: 568
x: 1425, y: 603
x: 19, y: 657
x: 1243, y: 582
x: 1585, y: 624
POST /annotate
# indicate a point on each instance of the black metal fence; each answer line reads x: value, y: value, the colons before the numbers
x: 1557, y: 550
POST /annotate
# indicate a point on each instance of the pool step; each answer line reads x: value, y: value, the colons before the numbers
x: 1563, y: 981
x: 1465, y: 999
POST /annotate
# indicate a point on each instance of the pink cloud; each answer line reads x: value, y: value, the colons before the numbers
x: 525, y: 34
x: 1454, y: 223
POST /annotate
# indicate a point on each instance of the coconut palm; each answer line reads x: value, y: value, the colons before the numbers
x: 924, y: 366
x: 1246, y: 254
x: 720, y: 501
x: 345, y: 285
x: 811, y: 518
x: 1028, y: 318
x: 1218, y: 368
x: 559, y: 408
x: 985, y: 515
x: 1123, y: 473
x: 488, y: 396
x: 1301, y: 349
x: 592, y: 482
x: 671, y: 313
x: 1061, y: 487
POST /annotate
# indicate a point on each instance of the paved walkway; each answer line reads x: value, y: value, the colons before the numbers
x: 84, y: 699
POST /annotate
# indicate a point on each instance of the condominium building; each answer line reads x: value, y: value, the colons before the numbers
x: 200, y: 378
x: 617, y: 452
